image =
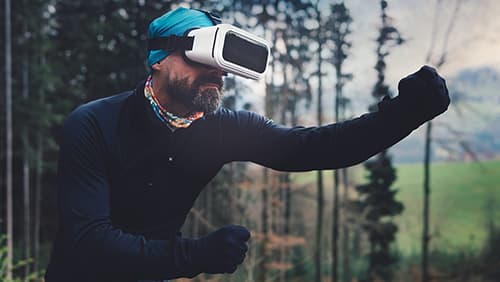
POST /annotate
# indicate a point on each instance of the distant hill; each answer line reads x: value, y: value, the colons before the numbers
x: 470, y: 128
x: 481, y: 84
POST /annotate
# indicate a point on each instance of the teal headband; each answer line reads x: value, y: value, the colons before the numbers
x: 176, y: 22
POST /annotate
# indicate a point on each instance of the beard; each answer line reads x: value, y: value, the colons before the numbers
x: 193, y: 96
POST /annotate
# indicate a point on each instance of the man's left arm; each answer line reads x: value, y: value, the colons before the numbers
x: 422, y: 96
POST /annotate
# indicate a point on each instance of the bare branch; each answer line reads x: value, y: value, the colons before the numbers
x: 434, y: 32
x: 447, y: 34
x: 450, y: 129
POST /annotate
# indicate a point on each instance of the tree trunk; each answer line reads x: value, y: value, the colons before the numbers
x: 425, y: 232
x: 26, y: 175
x: 335, y: 220
x: 38, y: 187
x: 335, y: 226
x: 284, y: 185
x: 281, y: 219
x: 288, y: 206
x: 319, y: 227
x: 266, y: 187
x: 38, y: 201
x: 288, y: 189
x: 320, y: 197
x: 346, y: 268
x: 232, y: 191
x: 26, y: 209
x: 265, y: 226
x: 8, y: 135
x: 346, y: 273
x: 428, y: 136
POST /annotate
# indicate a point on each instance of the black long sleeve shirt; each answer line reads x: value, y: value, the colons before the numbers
x: 127, y: 182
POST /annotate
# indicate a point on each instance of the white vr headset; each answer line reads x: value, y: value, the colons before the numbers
x: 222, y: 46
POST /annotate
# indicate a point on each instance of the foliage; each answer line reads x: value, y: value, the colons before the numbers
x: 377, y: 202
x: 339, y: 28
x: 490, y: 256
x: 115, y: 32
x: 17, y: 265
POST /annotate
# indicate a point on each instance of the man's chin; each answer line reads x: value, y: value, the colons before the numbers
x: 208, y: 100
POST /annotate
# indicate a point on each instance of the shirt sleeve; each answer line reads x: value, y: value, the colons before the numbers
x: 251, y: 137
x: 90, y: 239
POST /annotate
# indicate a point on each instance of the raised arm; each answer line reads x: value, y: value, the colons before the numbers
x: 422, y: 96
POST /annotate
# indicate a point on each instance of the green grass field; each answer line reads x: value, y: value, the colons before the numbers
x: 460, y: 193
x: 463, y: 197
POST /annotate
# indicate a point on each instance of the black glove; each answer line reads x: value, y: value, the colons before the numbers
x: 220, y: 251
x: 423, y: 95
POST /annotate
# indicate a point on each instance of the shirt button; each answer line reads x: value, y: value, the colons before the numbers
x: 170, y: 159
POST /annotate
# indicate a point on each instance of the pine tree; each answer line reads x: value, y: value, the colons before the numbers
x: 377, y: 199
x: 339, y: 23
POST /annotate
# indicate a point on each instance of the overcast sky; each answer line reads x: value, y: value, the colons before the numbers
x: 473, y: 42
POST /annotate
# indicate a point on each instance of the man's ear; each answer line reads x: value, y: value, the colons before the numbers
x: 156, y: 66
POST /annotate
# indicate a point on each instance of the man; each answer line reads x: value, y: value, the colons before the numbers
x: 132, y: 165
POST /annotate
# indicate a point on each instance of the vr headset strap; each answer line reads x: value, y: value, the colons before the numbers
x: 171, y: 43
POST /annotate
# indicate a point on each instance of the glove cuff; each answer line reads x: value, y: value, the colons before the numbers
x: 198, y: 253
x: 186, y: 256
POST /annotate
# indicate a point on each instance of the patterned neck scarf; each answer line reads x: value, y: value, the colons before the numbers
x: 172, y: 121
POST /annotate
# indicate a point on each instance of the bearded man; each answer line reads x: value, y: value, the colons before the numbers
x: 131, y: 165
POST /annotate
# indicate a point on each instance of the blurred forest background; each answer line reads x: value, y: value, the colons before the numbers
x: 426, y: 209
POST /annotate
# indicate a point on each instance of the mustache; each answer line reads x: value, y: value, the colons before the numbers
x: 209, y: 79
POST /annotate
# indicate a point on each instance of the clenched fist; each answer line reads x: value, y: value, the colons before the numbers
x: 423, y: 95
x: 220, y: 251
